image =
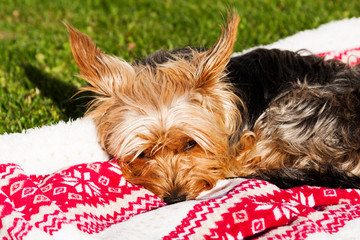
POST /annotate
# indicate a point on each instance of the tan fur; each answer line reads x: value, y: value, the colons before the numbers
x: 169, y: 127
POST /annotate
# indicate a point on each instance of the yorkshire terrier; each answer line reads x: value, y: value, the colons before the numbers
x: 178, y: 121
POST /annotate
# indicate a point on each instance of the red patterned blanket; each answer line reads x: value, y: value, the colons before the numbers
x: 93, y: 201
x: 94, y: 196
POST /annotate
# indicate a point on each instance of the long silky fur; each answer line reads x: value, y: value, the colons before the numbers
x: 262, y: 74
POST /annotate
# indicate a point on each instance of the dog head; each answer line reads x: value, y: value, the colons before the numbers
x: 168, y: 118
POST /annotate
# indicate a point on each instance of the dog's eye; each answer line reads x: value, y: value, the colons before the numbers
x: 190, y: 145
x: 207, y: 186
x: 144, y: 155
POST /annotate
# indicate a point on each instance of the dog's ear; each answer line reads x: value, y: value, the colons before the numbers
x: 211, y: 65
x: 105, y: 73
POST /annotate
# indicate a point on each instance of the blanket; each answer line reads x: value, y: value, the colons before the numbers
x: 57, y: 183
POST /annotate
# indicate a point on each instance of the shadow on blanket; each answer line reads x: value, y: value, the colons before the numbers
x: 60, y: 92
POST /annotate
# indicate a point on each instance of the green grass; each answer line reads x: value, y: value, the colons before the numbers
x: 37, y: 72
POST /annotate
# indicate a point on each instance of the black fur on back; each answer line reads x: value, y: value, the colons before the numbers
x: 260, y: 75
x: 263, y: 75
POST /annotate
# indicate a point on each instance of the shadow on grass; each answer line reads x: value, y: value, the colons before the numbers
x: 60, y: 92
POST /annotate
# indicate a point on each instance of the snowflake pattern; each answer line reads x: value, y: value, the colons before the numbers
x: 82, y: 183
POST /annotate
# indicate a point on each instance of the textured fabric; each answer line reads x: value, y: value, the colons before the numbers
x: 90, y: 196
x: 94, y: 196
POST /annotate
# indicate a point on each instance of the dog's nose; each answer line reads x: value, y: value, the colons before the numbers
x: 174, y: 198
